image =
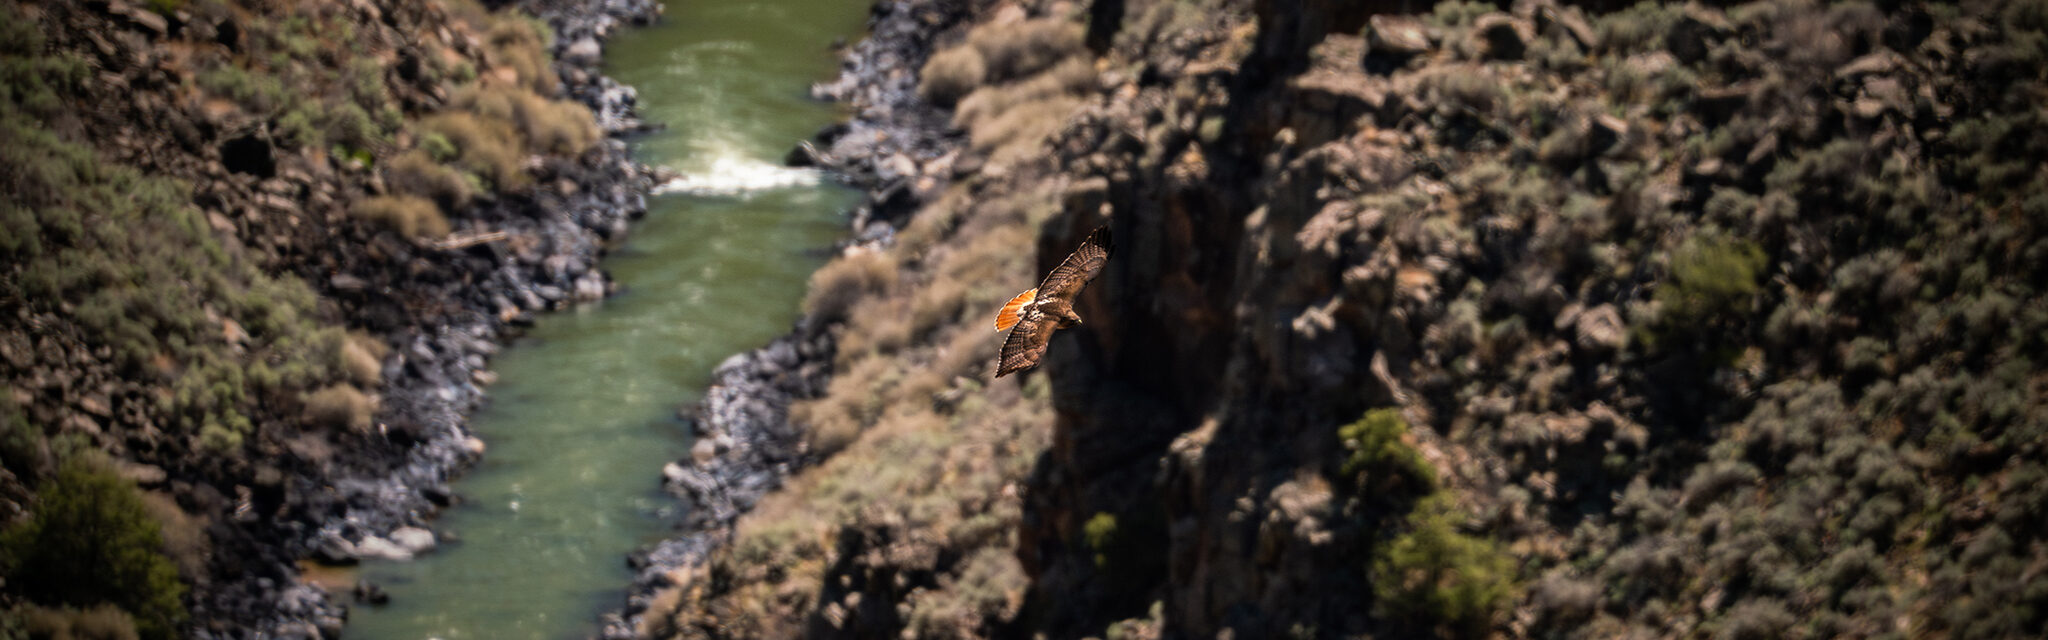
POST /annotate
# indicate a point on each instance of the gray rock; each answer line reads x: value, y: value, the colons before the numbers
x: 413, y: 540
x: 1399, y: 36
x: 375, y: 547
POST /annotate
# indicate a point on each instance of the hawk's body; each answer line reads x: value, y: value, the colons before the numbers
x: 1032, y: 316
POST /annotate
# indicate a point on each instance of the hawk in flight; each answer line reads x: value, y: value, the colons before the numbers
x: 1036, y: 313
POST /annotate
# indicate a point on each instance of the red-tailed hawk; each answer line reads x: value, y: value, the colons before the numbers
x: 1035, y: 314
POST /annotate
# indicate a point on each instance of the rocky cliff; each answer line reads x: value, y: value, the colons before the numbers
x: 258, y: 257
x: 1518, y: 320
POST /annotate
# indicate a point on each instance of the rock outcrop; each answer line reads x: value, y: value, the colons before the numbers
x: 1532, y: 320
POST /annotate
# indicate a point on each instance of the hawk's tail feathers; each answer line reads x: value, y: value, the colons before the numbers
x: 1008, y: 316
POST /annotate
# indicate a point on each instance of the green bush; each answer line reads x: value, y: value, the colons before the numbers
x: 1381, y: 454
x: 88, y: 542
x: 1100, y: 533
x: 1712, y: 278
x: 1434, y: 575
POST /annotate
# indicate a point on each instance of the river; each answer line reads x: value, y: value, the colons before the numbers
x: 584, y: 413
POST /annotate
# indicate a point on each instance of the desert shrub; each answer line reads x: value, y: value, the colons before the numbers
x: 559, y: 126
x: 1434, y: 575
x: 950, y: 75
x: 21, y: 444
x: 259, y: 93
x: 103, y: 622
x: 185, y: 539
x: 1017, y: 50
x: 551, y: 126
x: 410, y: 216
x: 1009, y: 121
x: 362, y: 357
x: 968, y: 601
x: 1711, y: 278
x: 340, y: 407
x: 1638, y: 28
x: 836, y: 286
x: 1464, y: 88
x: 89, y: 542
x: 521, y: 43
x: 1756, y: 619
x: 1381, y: 455
x: 1712, y: 481
x: 1458, y: 13
x: 348, y: 124
x: 300, y: 125
x: 488, y: 147
x: 416, y: 173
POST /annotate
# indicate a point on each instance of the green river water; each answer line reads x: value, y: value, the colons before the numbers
x: 583, y: 415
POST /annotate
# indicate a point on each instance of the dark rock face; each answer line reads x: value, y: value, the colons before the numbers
x: 249, y: 154
x: 1342, y: 245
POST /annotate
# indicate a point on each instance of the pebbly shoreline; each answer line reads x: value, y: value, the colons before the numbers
x: 899, y: 150
x: 379, y: 500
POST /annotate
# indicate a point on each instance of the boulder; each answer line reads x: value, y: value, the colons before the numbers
x: 375, y: 547
x: 583, y: 53
x: 1397, y: 36
x: 413, y: 540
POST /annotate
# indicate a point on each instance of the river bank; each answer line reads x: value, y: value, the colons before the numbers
x: 898, y: 151
x: 261, y: 255
x: 444, y: 320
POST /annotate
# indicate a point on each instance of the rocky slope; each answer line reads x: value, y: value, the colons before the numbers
x: 259, y: 257
x: 1496, y: 320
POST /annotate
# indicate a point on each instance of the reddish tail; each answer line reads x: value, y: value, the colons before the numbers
x: 1008, y: 316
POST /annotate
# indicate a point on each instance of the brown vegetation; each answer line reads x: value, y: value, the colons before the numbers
x: 1707, y: 322
x: 410, y: 216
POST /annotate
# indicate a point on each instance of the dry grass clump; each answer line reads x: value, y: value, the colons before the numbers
x: 852, y: 402
x: 549, y: 126
x: 185, y: 539
x: 416, y: 173
x: 840, y: 283
x: 1008, y: 121
x: 1011, y: 51
x: 410, y: 216
x: 340, y: 406
x: 102, y: 622
x: 488, y: 147
x: 520, y: 43
x: 951, y: 74
x: 362, y: 357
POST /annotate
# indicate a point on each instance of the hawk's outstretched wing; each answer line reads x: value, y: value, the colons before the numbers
x: 1078, y: 269
x: 1033, y: 312
x: 1026, y: 344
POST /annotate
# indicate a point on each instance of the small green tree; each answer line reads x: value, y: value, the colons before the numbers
x: 1710, y: 276
x: 1435, y: 575
x: 90, y: 542
x: 1379, y: 451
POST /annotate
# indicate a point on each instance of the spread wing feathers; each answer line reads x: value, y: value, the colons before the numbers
x: 1008, y: 316
x: 1028, y: 340
x: 1026, y: 344
x: 1066, y: 280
